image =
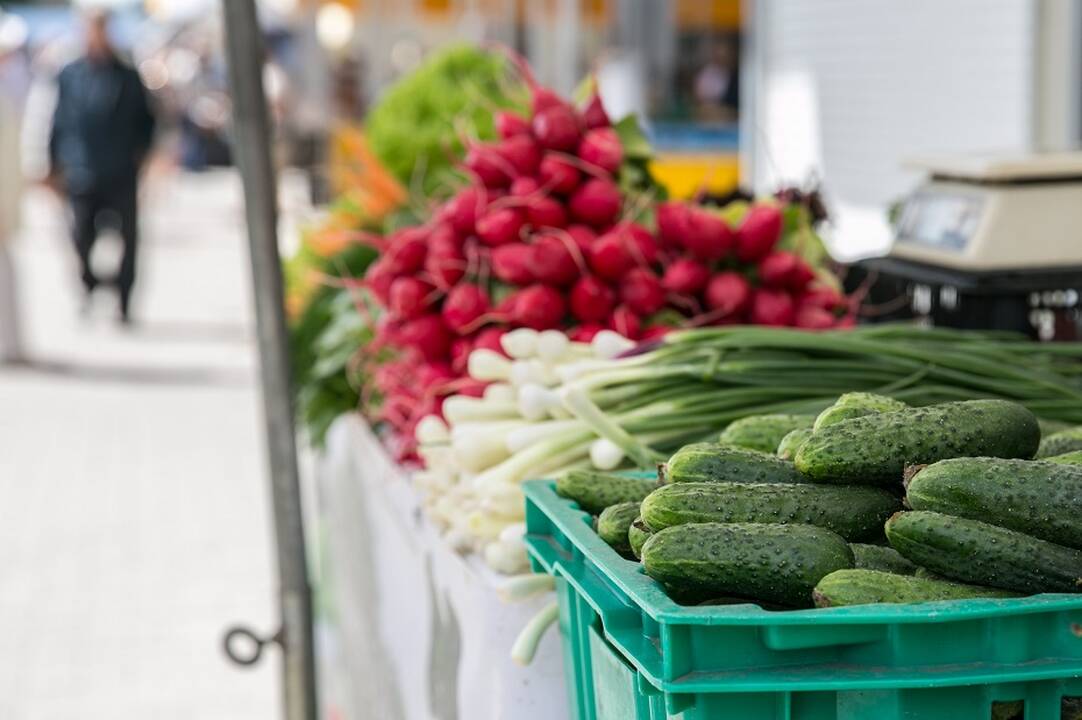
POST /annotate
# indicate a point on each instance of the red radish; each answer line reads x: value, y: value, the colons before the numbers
x: 642, y: 292
x: 390, y: 377
x: 513, y: 263
x: 685, y: 276
x: 408, y: 297
x: 556, y: 128
x: 378, y: 278
x: 758, y: 233
x: 656, y: 332
x: 428, y: 335
x: 626, y: 322
x: 728, y: 293
x: 462, y: 210
x: 491, y: 169
x: 500, y: 226
x: 445, y: 264
x: 545, y: 98
x: 557, y: 174
x: 406, y: 254
x: 596, y: 202
x: 610, y: 256
x: 601, y: 147
x: 583, y: 236
x: 777, y: 269
x: 509, y: 124
x: 544, y: 212
x: 594, y: 115
x: 553, y: 261
x: 643, y: 247
x: 591, y: 299
x: 584, y: 333
x: 523, y: 187
x: 463, y: 306
x: 821, y: 296
x: 522, y: 153
x: 813, y: 318
x: 539, y: 307
x: 428, y: 375
x: 707, y: 236
x: 489, y: 339
x: 801, y: 276
x: 461, y: 348
x: 672, y: 223
x: 772, y: 307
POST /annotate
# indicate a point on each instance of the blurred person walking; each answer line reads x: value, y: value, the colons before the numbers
x: 14, y: 84
x: 101, y: 135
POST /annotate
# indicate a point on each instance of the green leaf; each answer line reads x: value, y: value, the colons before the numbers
x: 632, y: 139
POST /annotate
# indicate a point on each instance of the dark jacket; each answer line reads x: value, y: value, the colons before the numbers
x: 102, y: 126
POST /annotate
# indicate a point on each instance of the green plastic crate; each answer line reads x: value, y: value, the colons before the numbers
x: 631, y: 652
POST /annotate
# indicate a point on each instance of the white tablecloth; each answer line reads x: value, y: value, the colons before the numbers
x: 406, y: 628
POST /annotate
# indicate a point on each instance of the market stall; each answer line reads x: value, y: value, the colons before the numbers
x: 528, y: 368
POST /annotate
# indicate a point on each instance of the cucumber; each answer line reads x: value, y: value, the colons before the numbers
x: 1071, y: 458
x: 874, y: 449
x: 637, y: 535
x: 772, y: 563
x: 862, y: 587
x: 852, y: 512
x: 613, y: 523
x: 711, y: 462
x: 977, y: 552
x: 595, y: 491
x: 923, y: 572
x: 856, y: 404
x: 763, y: 432
x: 791, y: 443
x: 1038, y: 498
x: 878, y: 557
x: 1064, y: 441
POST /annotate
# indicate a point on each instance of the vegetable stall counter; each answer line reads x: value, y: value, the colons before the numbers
x: 406, y: 627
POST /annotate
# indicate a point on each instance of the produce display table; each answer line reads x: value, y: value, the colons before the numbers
x: 406, y: 627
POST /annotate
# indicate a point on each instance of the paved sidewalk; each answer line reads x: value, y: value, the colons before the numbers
x: 134, y: 519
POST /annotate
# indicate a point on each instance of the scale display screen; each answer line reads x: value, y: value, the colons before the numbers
x: 946, y: 221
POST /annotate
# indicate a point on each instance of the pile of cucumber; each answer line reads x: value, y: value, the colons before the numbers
x: 871, y: 501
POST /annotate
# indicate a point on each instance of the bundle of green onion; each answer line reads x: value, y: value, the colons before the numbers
x: 581, y: 408
x: 698, y: 381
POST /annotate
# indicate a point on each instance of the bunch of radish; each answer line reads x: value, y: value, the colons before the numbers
x: 542, y: 237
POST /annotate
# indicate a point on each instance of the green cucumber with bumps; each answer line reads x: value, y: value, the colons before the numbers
x: 712, y: 462
x: 1038, y: 498
x: 763, y: 432
x: 854, y: 405
x: 853, y: 512
x: 637, y: 535
x: 771, y: 563
x: 595, y: 491
x: 1070, y: 458
x: 789, y: 444
x: 983, y: 554
x: 874, y: 449
x: 1064, y: 441
x: 613, y: 523
x: 879, y: 557
x: 863, y: 587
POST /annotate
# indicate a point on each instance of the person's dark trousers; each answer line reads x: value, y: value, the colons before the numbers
x: 90, y: 209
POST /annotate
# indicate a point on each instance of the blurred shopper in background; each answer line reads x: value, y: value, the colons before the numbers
x: 102, y: 131
x: 14, y: 84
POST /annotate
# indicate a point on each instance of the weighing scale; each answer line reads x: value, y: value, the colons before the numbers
x: 991, y: 242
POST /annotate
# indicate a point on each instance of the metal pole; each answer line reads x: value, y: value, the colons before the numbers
x: 252, y: 146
